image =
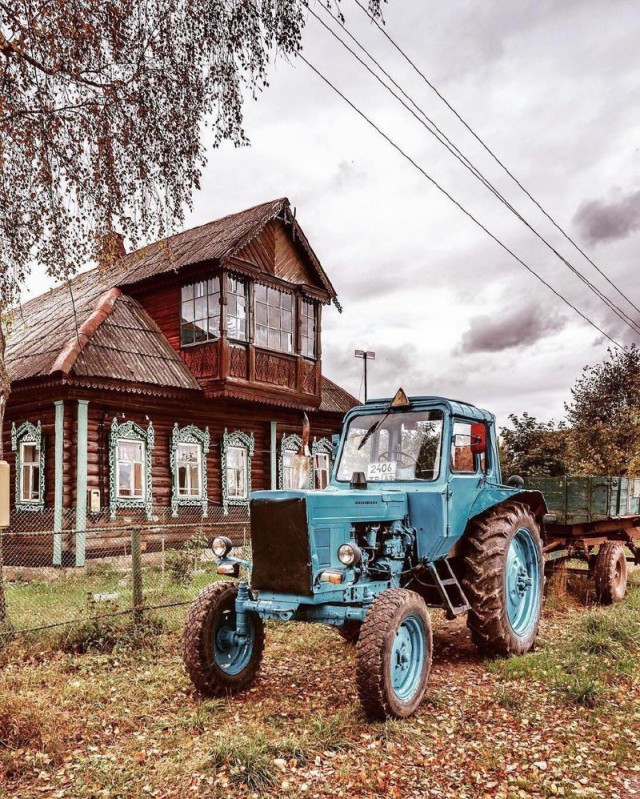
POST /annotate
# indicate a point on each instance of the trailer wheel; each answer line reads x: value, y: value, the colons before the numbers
x: 350, y: 631
x: 610, y: 573
x: 215, y: 662
x: 504, y: 580
x: 393, y: 655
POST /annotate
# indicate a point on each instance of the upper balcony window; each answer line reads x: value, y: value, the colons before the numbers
x: 274, y: 318
x: 309, y: 329
x: 237, y: 309
x: 200, y: 311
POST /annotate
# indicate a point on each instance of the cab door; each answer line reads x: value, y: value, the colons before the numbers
x: 466, y: 474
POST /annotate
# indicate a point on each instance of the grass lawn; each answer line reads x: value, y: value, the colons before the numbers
x: 120, y: 719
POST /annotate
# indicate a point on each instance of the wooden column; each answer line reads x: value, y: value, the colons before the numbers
x: 81, y: 480
x: 273, y: 454
x: 297, y: 344
x: 318, y: 348
x: 58, y: 489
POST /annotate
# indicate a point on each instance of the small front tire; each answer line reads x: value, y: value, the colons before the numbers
x: 215, y: 661
x: 393, y: 655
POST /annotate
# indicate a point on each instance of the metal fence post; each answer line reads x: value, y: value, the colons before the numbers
x: 136, y: 568
x: 4, y: 525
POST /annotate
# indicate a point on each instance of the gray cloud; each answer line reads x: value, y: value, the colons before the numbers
x: 602, y: 220
x: 517, y: 328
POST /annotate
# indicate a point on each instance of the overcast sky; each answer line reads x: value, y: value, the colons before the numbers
x: 553, y: 88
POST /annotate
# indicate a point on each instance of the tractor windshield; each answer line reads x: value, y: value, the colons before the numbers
x: 401, y: 445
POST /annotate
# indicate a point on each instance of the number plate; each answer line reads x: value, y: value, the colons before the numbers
x: 381, y: 471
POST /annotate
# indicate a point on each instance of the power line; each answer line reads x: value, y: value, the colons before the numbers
x: 435, y: 131
x: 495, y: 157
x: 454, y: 201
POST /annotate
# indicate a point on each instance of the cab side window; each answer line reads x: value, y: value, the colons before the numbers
x: 462, y: 457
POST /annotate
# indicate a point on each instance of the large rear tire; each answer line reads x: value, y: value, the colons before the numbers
x: 393, y: 655
x: 610, y: 573
x: 504, y: 580
x: 215, y: 661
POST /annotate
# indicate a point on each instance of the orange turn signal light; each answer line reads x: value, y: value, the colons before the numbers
x: 331, y: 577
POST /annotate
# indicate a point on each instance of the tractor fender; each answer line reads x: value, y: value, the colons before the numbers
x: 494, y: 496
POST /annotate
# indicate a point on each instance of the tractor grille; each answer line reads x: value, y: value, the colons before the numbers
x: 280, y: 544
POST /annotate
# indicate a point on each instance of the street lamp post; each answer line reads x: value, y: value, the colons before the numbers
x: 366, y: 356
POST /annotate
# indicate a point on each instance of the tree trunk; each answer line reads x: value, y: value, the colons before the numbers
x: 5, y: 390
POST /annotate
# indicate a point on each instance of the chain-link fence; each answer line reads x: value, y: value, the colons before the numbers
x: 68, y: 587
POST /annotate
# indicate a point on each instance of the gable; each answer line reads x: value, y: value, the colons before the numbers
x: 276, y: 252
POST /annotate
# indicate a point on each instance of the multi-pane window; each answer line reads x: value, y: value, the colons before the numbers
x: 189, y: 468
x: 237, y: 309
x: 130, y: 469
x: 287, y: 468
x: 321, y: 469
x: 274, y: 319
x: 29, y: 472
x: 237, y: 468
x: 308, y: 329
x: 200, y: 311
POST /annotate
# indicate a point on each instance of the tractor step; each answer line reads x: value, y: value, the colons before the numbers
x: 448, y: 587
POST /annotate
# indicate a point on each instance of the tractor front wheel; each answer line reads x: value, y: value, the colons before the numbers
x: 217, y: 660
x: 610, y: 573
x: 504, y: 580
x: 393, y: 655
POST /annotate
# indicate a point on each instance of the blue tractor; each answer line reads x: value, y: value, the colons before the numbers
x: 415, y: 516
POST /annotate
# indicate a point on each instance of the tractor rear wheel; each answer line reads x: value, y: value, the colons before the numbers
x: 216, y: 660
x: 504, y: 580
x: 393, y: 655
x: 610, y: 573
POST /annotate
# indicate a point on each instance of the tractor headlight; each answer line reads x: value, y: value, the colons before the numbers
x: 221, y: 546
x: 349, y: 555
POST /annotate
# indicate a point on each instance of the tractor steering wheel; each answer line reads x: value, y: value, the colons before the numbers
x: 386, y: 455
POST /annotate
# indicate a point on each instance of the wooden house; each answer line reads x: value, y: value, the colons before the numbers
x: 160, y: 391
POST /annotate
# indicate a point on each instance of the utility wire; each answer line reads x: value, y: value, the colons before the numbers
x: 494, y: 156
x: 435, y: 131
x: 454, y: 201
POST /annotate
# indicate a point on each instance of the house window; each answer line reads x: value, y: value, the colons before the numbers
x: 237, y: 309
x: 237, y: 451
x: 321, y: 470
x: 200, y: 311
x: 289, y: 447
x: 29, y: 472
x: 322, y: 452
x: 309, y: 312
x: 28, y: 443
x: 131, y: 461
x: 273, y: 318
x: 189, y: 470
x: 130, y: 466
x: 188, y: 462
x: 237, y: 468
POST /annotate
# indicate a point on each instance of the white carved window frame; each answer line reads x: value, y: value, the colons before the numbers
x: 240, y: 440
x: 28, y: 433
x: 130, y: 431
x: 190, y: 434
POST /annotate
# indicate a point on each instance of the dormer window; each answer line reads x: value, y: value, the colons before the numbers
x: 274, y: 319
x: 237, y: 309
x: 200, y: 311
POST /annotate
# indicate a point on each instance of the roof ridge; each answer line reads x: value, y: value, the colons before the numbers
x: 69, y: 353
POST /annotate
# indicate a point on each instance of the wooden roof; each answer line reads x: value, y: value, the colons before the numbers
x: 216, y: 241
x: 90, y: 328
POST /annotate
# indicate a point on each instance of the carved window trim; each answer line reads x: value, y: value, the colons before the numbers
x: 321, y: 446
x: 236, y: 439
x: 190, y: 434
x: 132, y: 432
x: 291, y: 443
x: 28, y: 433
